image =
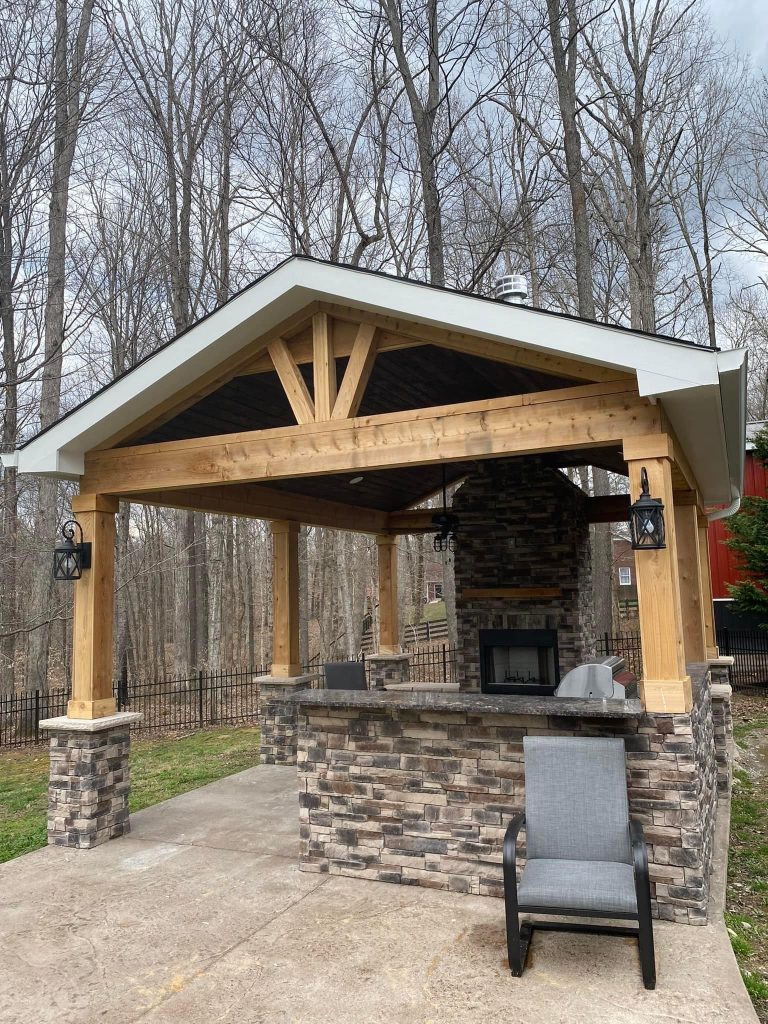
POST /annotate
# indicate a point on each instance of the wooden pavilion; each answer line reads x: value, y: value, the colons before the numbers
x: 275, y: 404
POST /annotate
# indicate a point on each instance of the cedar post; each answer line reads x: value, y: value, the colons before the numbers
x: 690, y: 572
x: 708, y: 607
x: 666, y: 687
x: 389, y: 626
x: 285, y: 599
x: 92, y: 694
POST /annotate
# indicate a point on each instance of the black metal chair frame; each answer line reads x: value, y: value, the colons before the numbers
x: 519, y: 938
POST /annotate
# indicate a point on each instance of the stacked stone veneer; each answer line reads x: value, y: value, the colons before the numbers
x: 722, y: 720
x: 523, y: 524
x: 278, y: 730
x: 422, y: 797
x: 387, y: 669
x: 89, y: 785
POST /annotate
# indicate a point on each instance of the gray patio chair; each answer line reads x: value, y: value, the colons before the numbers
x: 585, y: 858
x: 345, y: 675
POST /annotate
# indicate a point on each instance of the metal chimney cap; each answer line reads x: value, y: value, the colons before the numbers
x: 512, y: 288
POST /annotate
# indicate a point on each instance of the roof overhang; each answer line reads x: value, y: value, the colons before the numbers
x: 702, y: 391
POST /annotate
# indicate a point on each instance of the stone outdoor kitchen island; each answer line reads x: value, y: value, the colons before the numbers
x: 332, y: 397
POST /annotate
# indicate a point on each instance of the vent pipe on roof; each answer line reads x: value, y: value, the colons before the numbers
x: 512, y: 288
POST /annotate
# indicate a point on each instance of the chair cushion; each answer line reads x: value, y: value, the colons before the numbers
x: 578, y: 885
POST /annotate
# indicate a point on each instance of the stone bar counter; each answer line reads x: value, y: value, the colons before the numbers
x: 417, y: 788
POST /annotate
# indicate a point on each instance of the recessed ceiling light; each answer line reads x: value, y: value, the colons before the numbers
x: 356, y: 480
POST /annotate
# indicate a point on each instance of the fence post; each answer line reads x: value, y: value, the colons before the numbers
x: 727, y: 641
x: 37, y: 716
x: 200, y: 698
x: 122, y: 688
x: 445, y: 665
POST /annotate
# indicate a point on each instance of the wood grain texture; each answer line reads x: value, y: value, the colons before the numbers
x: 523, y: 424
x: 356, y: 374
x: 296, y: 390
x: 689, y: 571
x: 389, y: 621
x: 324, y: 366
x: 708, y: 608
x: 255, y: 502
x: 658, y: 596
x: 94, y: 611
x: 285, y: 600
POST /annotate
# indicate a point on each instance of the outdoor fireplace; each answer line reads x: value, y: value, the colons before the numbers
x: 523, y: 661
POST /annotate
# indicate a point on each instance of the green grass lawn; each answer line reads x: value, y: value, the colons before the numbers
x: 747, y: 896
x: 160, y: 768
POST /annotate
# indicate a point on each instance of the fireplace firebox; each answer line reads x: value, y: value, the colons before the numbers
x: 522, y: 661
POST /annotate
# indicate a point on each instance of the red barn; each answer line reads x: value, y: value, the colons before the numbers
x: 725, y: 563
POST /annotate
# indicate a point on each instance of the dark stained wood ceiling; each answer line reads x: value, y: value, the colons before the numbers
x: 409, y: 378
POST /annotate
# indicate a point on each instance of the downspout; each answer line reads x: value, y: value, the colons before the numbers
x: 730, y: 510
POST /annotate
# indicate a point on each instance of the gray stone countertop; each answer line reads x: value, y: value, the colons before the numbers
x: 476, y: 703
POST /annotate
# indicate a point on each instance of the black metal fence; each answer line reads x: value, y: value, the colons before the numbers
x: 193, y: 702
x: 623, y: 645
x: 749, y: 650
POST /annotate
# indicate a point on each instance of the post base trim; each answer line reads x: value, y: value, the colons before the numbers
x: 92, y: 708
x: 667, y: 696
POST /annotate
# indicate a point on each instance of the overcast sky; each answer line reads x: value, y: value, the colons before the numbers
x: 746, y: 23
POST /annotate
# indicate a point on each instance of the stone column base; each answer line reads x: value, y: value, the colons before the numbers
x: 278, y: 717
x: 722, y: 721
x: 388, y: 668
x: 720, y: 669
x: 89, y: 779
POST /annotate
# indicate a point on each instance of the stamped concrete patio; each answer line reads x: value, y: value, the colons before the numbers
x: 202, y: 915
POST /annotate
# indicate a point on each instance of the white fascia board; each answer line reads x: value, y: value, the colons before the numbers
x: 9, y: 460
x: 661, y: 366
x: 60, y: 450
x: 682, y: 366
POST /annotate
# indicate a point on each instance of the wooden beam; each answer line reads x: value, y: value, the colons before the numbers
x: 511, y: 593
x: 256, y: 502
x: 608, y: 508
x: 286, y: 661
x: 207, y: 382
x: 397, y: 331
x: 356, y: 375
x: 665, y: 687
x: 296, y: 390
x: 564, y: 419
x: 664, y: 446
x: 389, y: 625
x: 324, y: 364
x: 707, y: 605
x: 689, y: 571
x: 94, y: 610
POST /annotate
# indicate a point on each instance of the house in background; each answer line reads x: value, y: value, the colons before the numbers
x: 623, y: 579
x: 725, y: 564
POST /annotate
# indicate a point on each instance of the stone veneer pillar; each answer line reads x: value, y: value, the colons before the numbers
x: 90, y: 779
x: 722, y: 721
x: 385, y: 669
x: 523, y: 526
x: 277, y: 717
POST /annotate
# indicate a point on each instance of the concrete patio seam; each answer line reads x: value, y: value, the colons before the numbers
x: 235, y: 945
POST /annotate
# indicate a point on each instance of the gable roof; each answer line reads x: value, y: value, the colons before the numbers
x: 702, y: 390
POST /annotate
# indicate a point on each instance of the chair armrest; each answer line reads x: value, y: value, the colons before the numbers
x: 639, y: 851
x: 509, y: 846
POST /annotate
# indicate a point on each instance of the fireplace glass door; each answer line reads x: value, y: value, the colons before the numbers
x: 522, y: 661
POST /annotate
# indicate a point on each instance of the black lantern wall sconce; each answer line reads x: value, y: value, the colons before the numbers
x: 646, y: 519
x: 72, y: 556
x: 446, y: 525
